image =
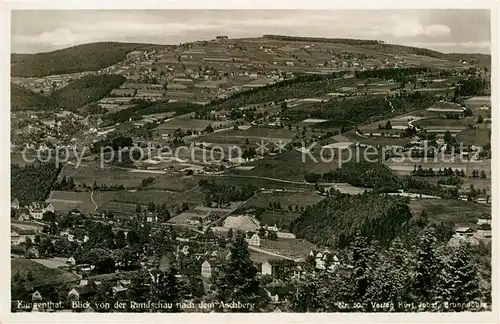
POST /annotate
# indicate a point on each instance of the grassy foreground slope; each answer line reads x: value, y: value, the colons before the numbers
x: 41, y: 274
x: 86, y: 57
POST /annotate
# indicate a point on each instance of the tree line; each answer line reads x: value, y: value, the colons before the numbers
x: 33, y: 182
x: 425, y: 277
x: 222, y: 194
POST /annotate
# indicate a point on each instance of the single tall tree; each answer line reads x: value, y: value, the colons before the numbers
x: 236, y: 279
x: 308, y: 296
x: 458, y: 282
x: 391, y: 279
x: 427, y: 267
x: 167, y: 290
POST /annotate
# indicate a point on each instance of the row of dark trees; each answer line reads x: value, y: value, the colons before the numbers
x: 221, y: 193
x: 428, y: 277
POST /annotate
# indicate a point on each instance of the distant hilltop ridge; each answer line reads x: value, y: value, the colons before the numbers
x: 99, y: 55
x: 322, y: 40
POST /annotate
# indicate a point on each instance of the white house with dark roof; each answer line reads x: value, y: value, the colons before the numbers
x: 464, y: 232
x: 267, y: 269
x: 206, y: 269
x: 484, y: 230
x: 254, y: 240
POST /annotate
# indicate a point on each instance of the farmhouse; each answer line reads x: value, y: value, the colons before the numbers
x: 206, y: 269
x: 114, y: 100
x: 484, y: 230
x: 324, y: 260
x: 464, y: 232
x: 84, y: 289
x: 183, y: 81
x: 195, y: 220
x: 176, y: 86
x: 254, y: 240
x: 278, y: 292
x: 485, y: 219
x: 150, y: 94
x: 123, y: 92
x: 267, y: 268
x: 36, y: 210
x: 119, y: 289
x: 36, y: 296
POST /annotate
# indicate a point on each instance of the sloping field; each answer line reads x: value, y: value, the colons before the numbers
x: 477, y: 101
x: 406, y: 167
x: 106, y: 176
x: 187, y: 123
x: 474, y: 136
x: 289, y: 202
x: 461, y: 213
x: 259, y: 257
x: 22, y: 225
x: 42, y: 275
x: 65, y: 201
x: 118, y: 208
x: 294, y: 248
x: 144, y: 197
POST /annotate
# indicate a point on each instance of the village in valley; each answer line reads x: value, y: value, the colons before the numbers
x: 173, y: 229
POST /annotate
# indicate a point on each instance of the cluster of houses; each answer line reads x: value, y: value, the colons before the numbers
x: 34, y: 211
x: 47, y: 84
x: 44, y: 131
x: 467, y: 234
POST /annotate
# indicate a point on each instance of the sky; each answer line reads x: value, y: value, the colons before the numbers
x: 456, y: 30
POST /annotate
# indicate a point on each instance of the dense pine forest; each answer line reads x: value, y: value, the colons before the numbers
x: 335, y: 220
x: 32, y: 182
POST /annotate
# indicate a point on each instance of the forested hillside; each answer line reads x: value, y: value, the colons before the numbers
x: 25, y: 99
x: 365, y: 174
x: 32, y: 182
x: 86, y: 57
x: 334, y: 221
x: 85, y: 90
x: 142, y: 107
x: 365, y: 109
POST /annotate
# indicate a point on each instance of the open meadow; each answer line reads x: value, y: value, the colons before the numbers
x: 461, y: 213
x: 253, y: 134
x: 198, y: 125
x: 291, y: 165
x: 290, y: 203
x: 294, y: 248
x: 478, y: 101
x: 406, y: 167
x: 85, y: 202
x: 478, y: 137
x: 128, y: 178
x: 192, y: 197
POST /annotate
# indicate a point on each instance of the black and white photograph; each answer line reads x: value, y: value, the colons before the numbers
x: 250, y: 161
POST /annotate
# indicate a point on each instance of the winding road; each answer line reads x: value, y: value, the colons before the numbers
x: 93, y: 201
